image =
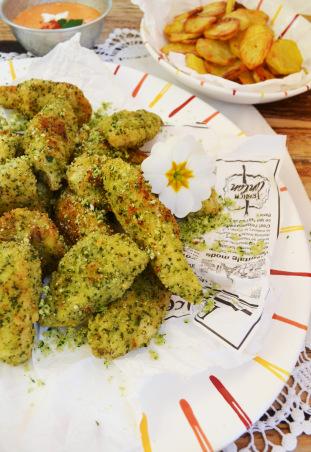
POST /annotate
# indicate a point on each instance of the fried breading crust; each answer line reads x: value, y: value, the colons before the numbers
x: 21, y: 224
x: 131, y: 321
x: 151, y: 225
x: 50, y: 139
x: 95, y: 271
x: 120, y: 135
x: 10, y: 145
x: 18, y: 185
x: 20, y: 287
x: 85, y: 179
x: 31, y: 96
x: 77, y: 220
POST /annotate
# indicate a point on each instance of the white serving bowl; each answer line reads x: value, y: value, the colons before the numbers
x: 298, y: 29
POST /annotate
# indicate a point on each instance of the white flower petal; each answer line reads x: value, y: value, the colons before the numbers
x: 200, y: 189
x: 158, y: 182
x: 168, y: 198
x: 201, y: 163
x: 183, y: 147
x: 156, y: 164
x: 184, y: 203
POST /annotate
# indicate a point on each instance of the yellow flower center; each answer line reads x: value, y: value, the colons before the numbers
x: 178, y: 176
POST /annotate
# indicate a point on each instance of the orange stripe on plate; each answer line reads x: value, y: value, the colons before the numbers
x: 194, y: 424
x: 283, y: 188
x: 139, y: 85
x: 145, y: 434
x: 289, y: 25
x: 116, y: 70
x: 276, y: 14
x: 160, y: 94
x: 290, y: 322
x: 209, y: 118
x: 12, y: 70
x: 285, y: 273
x: 275, y: 370
x: 298, y: 227
x: 180, y: 107
x: 259, y: 4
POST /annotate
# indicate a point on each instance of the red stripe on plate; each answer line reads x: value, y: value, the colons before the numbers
x: 290, y: 322
x: 196, y: 427
x: 233, y: 92
x: 180, y: 107
x: 289, y: 25
x: 139, y: 85
x: 116, y: 70
x: 283, y: 188
x: 209, y: 118
x: 285, y: 273
x: 231, y: 401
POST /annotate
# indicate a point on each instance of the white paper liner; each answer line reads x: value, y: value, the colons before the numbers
x: 78, y: 402
x: 157, y: 13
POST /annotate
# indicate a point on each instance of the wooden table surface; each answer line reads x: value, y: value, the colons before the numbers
x: 291, y: 117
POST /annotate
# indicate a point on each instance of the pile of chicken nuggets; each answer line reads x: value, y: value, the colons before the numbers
x: 74, y: 206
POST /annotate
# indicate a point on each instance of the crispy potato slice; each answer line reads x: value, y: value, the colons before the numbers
x: 196, y: 63
x: 197, y: 24
x: 255, y: 45
x: 257, y: 17
x: 215, y: 9
x: 284, y: 57
x: 242, y: 16
x: 261, y: 74
x: 215, y: 51
x: 223, y: 30
x: 235, y: 44
x: 183, y: 37
x: 179, y: 47
x: 177, y: 24
x: 230, y: 72
x: 246, y: 78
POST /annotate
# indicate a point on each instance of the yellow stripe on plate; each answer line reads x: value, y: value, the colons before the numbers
x: 276, y: 14
x: 12, y: 70
x: 230, y: 6
x: 298, y: 227
x: 275, y: 370
x: 159, y: 96
x: 145, y: 434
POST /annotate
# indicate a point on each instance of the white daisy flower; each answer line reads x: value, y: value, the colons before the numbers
x: 180, y: 171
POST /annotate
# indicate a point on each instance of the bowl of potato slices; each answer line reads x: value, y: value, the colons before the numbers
x: 247, y: 52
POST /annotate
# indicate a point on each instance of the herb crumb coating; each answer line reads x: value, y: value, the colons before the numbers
x: 18, y: 185
x: 85, y: 179
x: 96, y: 271
x: 49, y: 141
x: 76, y: 219
x: 38, y: 229
x: 130, y: 322
x: 147, y: 221
x: 31, y: 96
x: 10, y: 145
x: 20, y: 287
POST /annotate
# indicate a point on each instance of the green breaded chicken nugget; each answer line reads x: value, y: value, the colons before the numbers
x: 20, y: 287
x: 18, y: 185
x: 145, y: 219
x: 96, y: 271
x: 131, y: 321
x: 49, y: 141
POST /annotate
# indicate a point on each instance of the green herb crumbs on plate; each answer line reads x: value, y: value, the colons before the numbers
x: 257, y: 248
x: 209, y: 305
x: 153, y: 354
x: 159, y: 339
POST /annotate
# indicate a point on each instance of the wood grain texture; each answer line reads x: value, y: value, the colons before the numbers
x: 291, y: 117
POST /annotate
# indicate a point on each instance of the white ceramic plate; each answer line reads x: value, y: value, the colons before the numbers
x: 85, y: 410
x: 285, y: 23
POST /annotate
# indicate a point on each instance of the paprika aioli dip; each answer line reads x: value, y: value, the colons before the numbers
x: 56, y: 15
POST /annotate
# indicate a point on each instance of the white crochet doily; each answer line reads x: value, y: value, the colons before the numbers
x: 292, y: 407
